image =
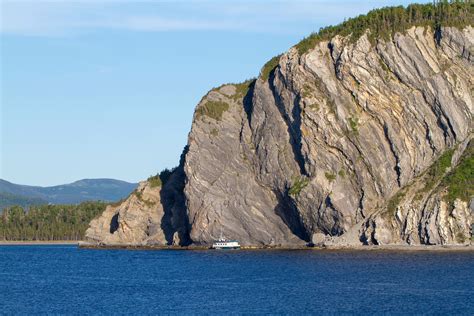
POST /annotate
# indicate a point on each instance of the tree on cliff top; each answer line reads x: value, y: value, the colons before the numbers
x: 384, y: 22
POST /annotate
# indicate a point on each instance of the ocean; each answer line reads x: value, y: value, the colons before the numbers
x: 60, y: 279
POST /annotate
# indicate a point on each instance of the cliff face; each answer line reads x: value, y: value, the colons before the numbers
x: 149, y: 216
x: 332, y: 146
x: 426, y: 211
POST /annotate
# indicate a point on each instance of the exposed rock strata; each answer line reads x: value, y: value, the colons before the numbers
x: 421, y: 213
x: 149, y: 216
x: 319, y: 149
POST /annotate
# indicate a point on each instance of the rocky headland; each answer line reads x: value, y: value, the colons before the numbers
x: 343, y: 141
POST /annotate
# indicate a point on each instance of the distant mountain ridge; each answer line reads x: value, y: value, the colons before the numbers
x: 107, y: 190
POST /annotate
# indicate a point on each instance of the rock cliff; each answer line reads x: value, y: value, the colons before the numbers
x: 351, y: 142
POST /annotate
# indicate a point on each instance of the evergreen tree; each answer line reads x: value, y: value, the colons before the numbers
x: 48, y: 222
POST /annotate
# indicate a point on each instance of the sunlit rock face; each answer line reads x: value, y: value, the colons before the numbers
x: 334, y: 143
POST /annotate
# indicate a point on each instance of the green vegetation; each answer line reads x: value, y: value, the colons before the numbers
x: 460, y: 237
x: 438, y: 169
x: 331, y: 105
x: 269, y: 67
x: 212, y: 109
x: 48, y: 222
x: 154, y: 181
x: 385, y: 68
x: 307, y: 91
x: 298, y: 185
x: 314, y: 106
x: 241, y: 89
x: 138, y: 194
x: 354, y: 124
x: 148, y: 203
x: 330, y: 176
x: 342, y: 173
x: 159, y: 179
x: 384, y: 22
x: 394, y: 201
x: 460, y: 181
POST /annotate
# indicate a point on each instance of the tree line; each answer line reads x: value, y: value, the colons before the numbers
x: 384, y: 22
x: 48, y: 222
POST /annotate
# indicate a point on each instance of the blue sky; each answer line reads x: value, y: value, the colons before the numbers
x: 107, y: 89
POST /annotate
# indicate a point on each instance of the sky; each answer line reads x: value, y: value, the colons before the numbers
x: 107, y: 89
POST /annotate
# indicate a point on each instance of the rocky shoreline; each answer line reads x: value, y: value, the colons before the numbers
x: 86, y: 245
x: 395, y: 248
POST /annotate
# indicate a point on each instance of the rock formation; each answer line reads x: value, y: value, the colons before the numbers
x: 424, y: 212
x: 335, y: 145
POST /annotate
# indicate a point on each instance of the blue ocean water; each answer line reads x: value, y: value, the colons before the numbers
x: 68, y: 280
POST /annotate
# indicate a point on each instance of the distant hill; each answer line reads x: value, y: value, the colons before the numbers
x: 8, y: 199
x: 107, y: 190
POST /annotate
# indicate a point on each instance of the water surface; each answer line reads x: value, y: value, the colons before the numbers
x: 65, y: 279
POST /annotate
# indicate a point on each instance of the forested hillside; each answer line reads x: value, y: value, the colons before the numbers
x: 48, y: 222
x: 385, y: 22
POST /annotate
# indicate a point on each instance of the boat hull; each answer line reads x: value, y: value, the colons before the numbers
x: 225, y: 248
x: 226, y: 244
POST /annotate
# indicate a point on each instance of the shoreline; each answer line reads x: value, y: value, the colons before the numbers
x: 389, y: 248
x: 407, y: 248
x: 37, y: 242
x: 385, y: 248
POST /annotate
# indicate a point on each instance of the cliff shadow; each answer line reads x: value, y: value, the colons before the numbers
x: 247, y: 101
x: 175, y: 218
x: 293, y: 123
x: 288, y: 212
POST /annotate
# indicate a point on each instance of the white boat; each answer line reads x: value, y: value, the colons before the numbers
x: 223, y: 243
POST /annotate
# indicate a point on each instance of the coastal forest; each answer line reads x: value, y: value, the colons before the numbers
x: 48, y: 222
x: 384, y: 22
